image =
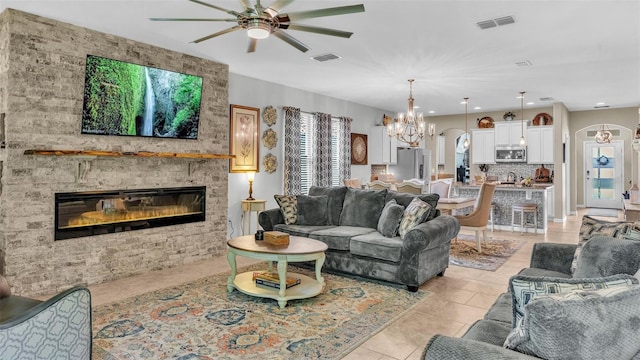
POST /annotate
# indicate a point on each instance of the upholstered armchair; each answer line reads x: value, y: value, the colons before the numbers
x: 479, y: 218
x: 58, y: 328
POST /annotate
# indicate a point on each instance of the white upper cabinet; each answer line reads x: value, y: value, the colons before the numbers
x: 509, y: 132
x: 382, y: 147
x: 540, y: 145
x: 483, y: 147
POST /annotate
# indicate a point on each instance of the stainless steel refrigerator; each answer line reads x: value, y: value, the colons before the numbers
x: 412, y: 164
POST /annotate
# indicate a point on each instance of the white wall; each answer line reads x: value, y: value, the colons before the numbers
x: 259, y: 94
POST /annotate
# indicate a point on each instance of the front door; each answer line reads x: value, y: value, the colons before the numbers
x: 603, y: 174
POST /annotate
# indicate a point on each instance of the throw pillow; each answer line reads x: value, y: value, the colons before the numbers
x: 288, y: 207
x: 591, y: 226
x: 604, y: 256
x: 390, y: 219
x: 416, y: 213
x: 524, y: 288
x: 335, y: 201
x: 601, y: 324
x: 362, y: 207
x: 405, y: 199
x: 311, y: 210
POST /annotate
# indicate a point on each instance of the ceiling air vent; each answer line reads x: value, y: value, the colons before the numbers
x: 326, y: 57
x: 601, y: 106
x: 504, y: 20
x: 548, y: 98
x: 524, y: 63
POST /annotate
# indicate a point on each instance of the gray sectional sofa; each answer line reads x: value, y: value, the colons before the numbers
x: 573, y: 302
x: 347, y: 220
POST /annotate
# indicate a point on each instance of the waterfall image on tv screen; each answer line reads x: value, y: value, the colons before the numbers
x: 122, y: 98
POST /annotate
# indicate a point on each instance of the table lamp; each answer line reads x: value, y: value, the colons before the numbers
x: 251, y: 176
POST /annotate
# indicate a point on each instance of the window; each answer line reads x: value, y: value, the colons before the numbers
x: 307, y: 151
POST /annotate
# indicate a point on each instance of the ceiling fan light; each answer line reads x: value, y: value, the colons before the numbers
x: 258, y: 29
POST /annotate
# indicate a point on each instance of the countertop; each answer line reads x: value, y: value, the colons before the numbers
x: 511, y: 187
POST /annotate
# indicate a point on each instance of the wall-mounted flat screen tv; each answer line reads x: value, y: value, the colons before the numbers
x: 121, y: 98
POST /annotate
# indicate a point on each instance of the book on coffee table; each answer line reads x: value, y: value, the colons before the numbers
x: 271, y: 279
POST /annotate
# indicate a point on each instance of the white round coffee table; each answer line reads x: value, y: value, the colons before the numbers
x: 299, y: 249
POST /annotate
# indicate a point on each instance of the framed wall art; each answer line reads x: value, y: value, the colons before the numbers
x: 358, y: 149
x: 244, y: 141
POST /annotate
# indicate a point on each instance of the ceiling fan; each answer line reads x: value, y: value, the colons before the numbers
x: 260, y: 22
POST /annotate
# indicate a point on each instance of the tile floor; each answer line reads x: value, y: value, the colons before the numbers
x: 458, y: 299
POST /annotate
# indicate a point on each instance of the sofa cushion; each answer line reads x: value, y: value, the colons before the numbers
x: 334, y: 202
x: 488, y: 331
x: 535, y: 272
x: 338, y: 237
x: 312, y: 210
x: 300, y: 230
x: 377, y: 246
x: 525, y: 288
x: 501, y: 310
x: 390, y: 219
x: 592, y: 226
x: 362, y: 208
x: 603, y: 256
x: 405, y: 199
x: 415, y: 214
x: 601, y: 324
x: 288, y: 207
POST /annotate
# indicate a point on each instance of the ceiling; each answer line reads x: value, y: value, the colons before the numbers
x: 582, y: 53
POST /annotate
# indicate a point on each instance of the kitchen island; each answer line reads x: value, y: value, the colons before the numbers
x: 507, y: 195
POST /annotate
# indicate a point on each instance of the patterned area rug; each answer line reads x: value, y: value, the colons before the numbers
x: 201, y: 320
x: 464, y: 252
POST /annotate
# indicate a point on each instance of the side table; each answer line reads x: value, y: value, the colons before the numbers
x: 249, y: 206
x: 631, y: 211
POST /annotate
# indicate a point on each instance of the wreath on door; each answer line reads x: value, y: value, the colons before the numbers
x: 603, y: 160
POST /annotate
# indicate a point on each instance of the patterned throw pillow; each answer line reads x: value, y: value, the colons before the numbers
x: 390, y: 219
x: 524, y: 288
x: 591, y: 226
x: 415, y: 214
x: 288, y: 207
x: 597, y: 324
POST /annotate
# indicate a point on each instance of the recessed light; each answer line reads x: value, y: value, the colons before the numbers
x: 600, y: 104
x: 530, y: 103
x: 477, y: 108
x: 431, y: 112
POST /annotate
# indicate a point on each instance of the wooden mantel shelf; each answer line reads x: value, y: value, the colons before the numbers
x: 127, y: 153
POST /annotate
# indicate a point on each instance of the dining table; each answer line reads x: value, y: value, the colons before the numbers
x: 449, y: 205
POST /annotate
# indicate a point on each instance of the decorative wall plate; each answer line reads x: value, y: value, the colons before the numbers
x: 270, y: 163
x: 542, y: 119
x: 269, y: 139
x: 508, y: 116
x: 485, y: 122
x: 270, y: 115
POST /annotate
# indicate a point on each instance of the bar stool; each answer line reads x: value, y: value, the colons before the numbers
x: 493, y: 209
x: 523, y: 209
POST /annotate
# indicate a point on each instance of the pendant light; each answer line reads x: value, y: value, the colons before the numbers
x: 466, y: 143
x: 523, y: 141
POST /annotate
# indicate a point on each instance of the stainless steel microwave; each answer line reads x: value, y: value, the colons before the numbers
x: 511, y: 154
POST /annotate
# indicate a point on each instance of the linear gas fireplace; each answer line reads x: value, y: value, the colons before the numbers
x: 81, y: 214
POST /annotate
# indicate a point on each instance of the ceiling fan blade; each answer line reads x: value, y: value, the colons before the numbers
x: 252, y: 45
x: 277, y: 5
x: 191, y: 19
x: 317, y: 30
x: 246, y: 5
x: 230, y: 12
x: 340, y: 10
x: 225, y: 31
x: 291, y: 40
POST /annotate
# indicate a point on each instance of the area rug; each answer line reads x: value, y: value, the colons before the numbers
x: 602, y: 212
x: 464, y: 252
x: 201, y: 320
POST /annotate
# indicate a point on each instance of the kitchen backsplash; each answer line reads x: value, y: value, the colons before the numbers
x: 521, y: 170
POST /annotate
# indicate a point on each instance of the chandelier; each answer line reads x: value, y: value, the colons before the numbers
x: 466, y: 143
x: 603, y: 136
x: 408, y: 128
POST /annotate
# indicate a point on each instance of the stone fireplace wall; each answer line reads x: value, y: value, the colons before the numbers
x: 42, y: 64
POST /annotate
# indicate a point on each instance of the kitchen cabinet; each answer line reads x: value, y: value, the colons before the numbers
x: 483, y: 147
x: 509, y: 132
x: 540, y: 145
x: 382, y: 147
x: 441, y: 149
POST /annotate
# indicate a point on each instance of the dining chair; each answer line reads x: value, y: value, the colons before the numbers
x: 409, y: 187
x: 478, y: 219
x: 441, y: 187
x: 379, y: 185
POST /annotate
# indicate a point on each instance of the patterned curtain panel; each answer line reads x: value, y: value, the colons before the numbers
x: 321, y: 160
x: 291, y: 151
x: 345, y: 148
